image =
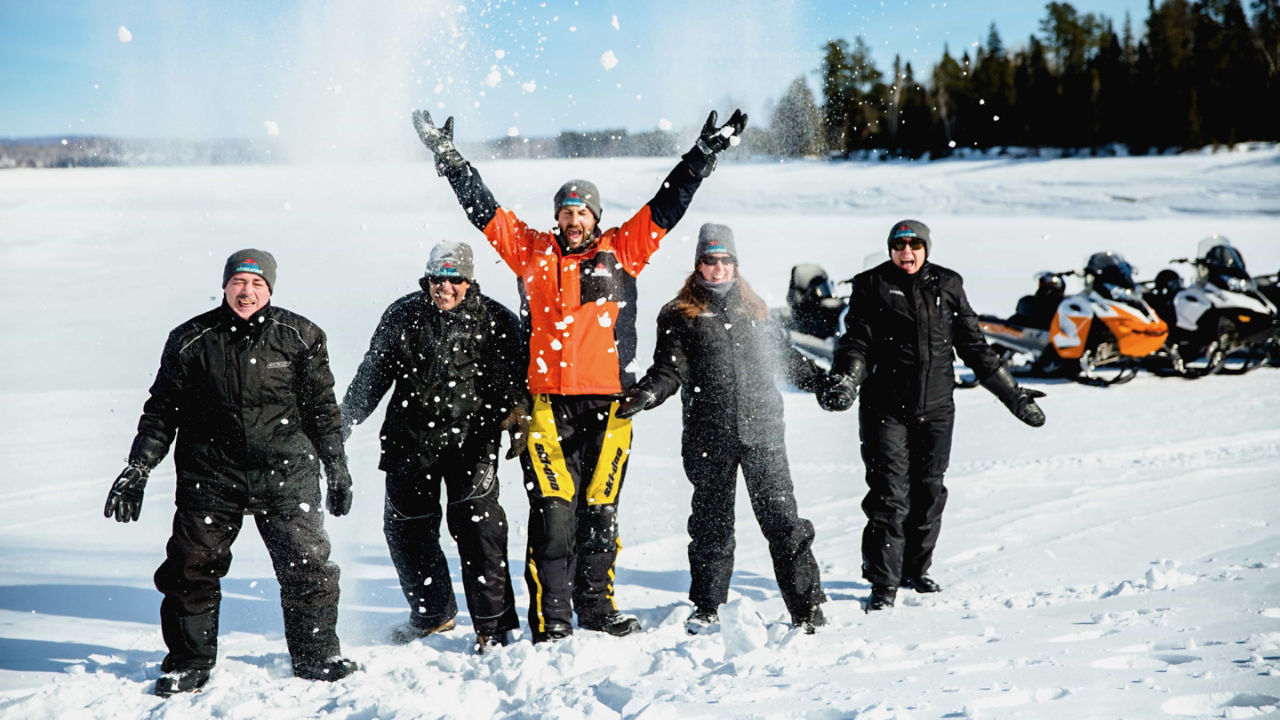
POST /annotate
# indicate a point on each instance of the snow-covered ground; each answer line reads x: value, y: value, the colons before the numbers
x: 1122, y: 561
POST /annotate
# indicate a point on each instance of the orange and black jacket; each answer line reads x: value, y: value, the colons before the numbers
x: 580, y: 304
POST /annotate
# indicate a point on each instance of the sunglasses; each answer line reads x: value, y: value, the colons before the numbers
x: 712, y: 260
x: 900, y: 245
x: 442, y: 279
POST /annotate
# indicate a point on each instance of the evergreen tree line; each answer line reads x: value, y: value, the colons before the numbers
x: 1203, y: 73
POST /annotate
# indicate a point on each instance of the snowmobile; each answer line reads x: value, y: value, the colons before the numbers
x: 1096, y: 336
x: 1223, y: 322
x: 815, y: 314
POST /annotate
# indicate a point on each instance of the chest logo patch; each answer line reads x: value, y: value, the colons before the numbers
x: 277, y: 364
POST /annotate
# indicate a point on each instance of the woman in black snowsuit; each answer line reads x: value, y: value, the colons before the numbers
x: 716, y: 340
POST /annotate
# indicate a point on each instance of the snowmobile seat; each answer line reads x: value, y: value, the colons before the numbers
x: 814, y: 308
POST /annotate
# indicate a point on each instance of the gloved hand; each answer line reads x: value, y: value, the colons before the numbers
x: 634, y: 401
x: 125, y: 499
x: 839, y: 394
x: 1020, y: 401
x: 517, y: 426
x: 338, y: 498
x: 712, y: 140
x: 439, y: 140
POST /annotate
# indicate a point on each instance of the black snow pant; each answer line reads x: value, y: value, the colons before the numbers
x: 198, y: 556
x: 574, y: 467
x: 714, y: 475
x: 477, y: 523
x: 905, y: 462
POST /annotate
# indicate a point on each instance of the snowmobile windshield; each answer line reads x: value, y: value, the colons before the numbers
x: 1110, y: 269
x: 1224, y: 266
x: 1120, y: 293
x: 821, y: 288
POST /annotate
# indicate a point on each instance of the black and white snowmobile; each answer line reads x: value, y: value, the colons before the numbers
x: 814, y: 312
x: 1222, y: 322
x: 1095, y: 336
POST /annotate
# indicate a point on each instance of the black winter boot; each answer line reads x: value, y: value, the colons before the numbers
x: 921, y: 584
x: 181, y: 681
x: 485, y: 643
x: 810, y: 621
x: 615, y: 623
x: 702, y: 621
x: 406, y: 633
x: 328, y: 669
x: 882, y: 597
x: 553, y: 633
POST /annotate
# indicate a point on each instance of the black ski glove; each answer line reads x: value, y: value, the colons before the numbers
x: 634, y: 401
x: 338, y: 499
x: 517, y: 426
x: 839, y: 394
x: 125, y: 499
x: 1020, y: 401
x: 712, y: 140
x: 439, y: 140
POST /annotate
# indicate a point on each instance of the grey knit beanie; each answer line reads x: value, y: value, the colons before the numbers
x: 258, y: 262
x: 451, y: 259
x: 579, y: 192
x: 714, y: 238
x: 909, y: 229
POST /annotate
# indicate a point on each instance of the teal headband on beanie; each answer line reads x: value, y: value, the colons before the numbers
x: 249, y: 260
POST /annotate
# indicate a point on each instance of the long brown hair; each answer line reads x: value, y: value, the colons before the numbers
x: 693, y: 299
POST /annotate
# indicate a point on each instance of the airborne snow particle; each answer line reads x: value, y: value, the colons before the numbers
x: 123, y: 33
x: 615, y: 22
x: 529, y: 86
x: 664, y: 124
x: 499, y: 54
x: 608, y: 60
x: 513, y: 131
x: 494, y: 77
x: 272, y: 129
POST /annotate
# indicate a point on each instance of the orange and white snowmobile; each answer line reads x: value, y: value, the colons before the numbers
x: 1097, y: 336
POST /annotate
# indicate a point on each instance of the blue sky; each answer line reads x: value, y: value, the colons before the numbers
x: 325, y: 73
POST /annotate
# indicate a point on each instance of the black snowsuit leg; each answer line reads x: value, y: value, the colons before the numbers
x: 299, y: 549
x: 714, y: 475
x: 773, y: 498
x: 199, y: 556
x: 478, y: 524
x: 905, y: 498
x: 411, y: 523
x: 711, y: 524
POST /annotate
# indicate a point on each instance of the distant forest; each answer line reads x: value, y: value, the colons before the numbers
x: 1202, y: 73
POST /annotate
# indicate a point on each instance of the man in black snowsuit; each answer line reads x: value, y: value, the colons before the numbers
x: 905, y: 318
x: 457, y: 360
x: 246, y: 389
